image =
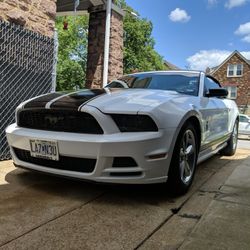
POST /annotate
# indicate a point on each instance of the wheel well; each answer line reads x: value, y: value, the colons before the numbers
x: 194, y: 121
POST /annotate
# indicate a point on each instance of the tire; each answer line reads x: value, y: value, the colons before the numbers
x: 230, y: 149
x: 184, y: 161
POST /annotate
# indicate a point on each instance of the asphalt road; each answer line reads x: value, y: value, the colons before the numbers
x: 45, y: 212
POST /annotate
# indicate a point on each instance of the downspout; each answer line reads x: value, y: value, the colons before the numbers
x: 107, y: 43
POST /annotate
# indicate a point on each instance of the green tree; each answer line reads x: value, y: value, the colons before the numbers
x: 70, y: 75
x: 139, y: 52
x: 72, y: 52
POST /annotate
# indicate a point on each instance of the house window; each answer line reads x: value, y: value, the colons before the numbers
x: 239, y: 71
x: 234, y: 70
x: 232, y: 91
x: 230, y: 70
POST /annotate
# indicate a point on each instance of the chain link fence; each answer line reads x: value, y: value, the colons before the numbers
x: 26, y: 70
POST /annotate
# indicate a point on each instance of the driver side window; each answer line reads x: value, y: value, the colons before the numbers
x: 210, y: 84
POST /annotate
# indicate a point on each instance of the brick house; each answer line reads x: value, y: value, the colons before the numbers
x: 234, y: 74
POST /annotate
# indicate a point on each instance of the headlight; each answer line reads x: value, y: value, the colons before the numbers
x: 134, y: 123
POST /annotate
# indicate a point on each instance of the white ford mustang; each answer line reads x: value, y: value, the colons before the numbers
x: 143, y: 128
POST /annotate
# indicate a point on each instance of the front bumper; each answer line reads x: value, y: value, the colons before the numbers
x: 139, y: 146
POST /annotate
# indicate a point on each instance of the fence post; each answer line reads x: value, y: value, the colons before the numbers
x: 55, y: 55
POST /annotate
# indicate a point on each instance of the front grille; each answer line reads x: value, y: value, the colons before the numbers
x: 82, y: 165
x: 59, y: 120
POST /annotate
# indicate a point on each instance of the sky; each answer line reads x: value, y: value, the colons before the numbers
x: 197, y: 34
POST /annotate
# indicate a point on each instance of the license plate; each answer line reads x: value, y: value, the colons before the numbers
x: 44, y: 149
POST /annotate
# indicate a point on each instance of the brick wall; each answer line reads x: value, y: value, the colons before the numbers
x: 96, y: 39
x: 116, y: 47
x: 242, y: 83
x: 35, y: 15
x: 95, y: 58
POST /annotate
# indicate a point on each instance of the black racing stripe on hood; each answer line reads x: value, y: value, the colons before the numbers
x: 75, y: 100
x: 41, y: 101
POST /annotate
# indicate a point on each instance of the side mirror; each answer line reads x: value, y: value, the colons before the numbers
x: 217, y: 93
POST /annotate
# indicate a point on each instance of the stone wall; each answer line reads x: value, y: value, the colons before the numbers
x: 95, y: 49
x: 94, y: 74
x: 116, y: 47
x: 242, y: 83
x: 36, y: 15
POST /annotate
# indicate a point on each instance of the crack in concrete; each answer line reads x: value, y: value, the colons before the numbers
x: 232, y: 202
x: 175, y: 210
x: 154, y: 231
x: 190, y: 216
x: 237, y: 187
x: 208, y: 192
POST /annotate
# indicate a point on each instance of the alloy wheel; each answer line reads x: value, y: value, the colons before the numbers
x: 235, y: 135
x: 187, y: 156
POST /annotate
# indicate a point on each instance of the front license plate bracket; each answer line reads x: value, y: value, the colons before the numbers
x: 44, y: 149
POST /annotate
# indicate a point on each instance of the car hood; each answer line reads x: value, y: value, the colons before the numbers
x: 131, y: 100
x: 106, y: 100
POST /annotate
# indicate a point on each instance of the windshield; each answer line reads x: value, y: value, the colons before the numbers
x: 181, y: 83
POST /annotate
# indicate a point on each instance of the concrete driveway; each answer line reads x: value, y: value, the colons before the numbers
x: 44, y: 212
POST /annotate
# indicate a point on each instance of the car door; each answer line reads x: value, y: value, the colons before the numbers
x: 215, y: 114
